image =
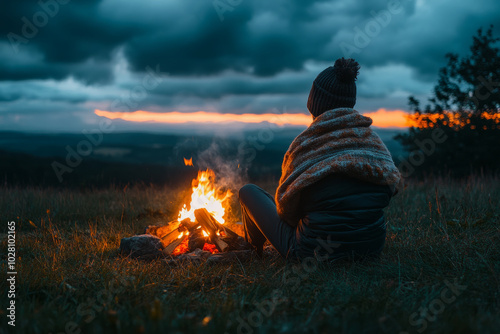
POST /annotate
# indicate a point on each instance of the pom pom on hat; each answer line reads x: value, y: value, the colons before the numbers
x: 346, y: 70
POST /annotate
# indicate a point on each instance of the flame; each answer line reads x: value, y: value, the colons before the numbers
x: 188, y: 162
x: 205, y: 195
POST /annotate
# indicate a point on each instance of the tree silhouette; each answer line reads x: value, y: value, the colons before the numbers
x: 458, y: 132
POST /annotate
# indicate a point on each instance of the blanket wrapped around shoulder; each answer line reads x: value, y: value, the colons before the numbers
x: 338, y: 141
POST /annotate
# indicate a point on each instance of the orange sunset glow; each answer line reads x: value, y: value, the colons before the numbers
x: 175, y: 117
x: 454, y: 120
x: 381, y: 118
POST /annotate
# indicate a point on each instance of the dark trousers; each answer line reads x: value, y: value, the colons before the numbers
x: 261, y: 221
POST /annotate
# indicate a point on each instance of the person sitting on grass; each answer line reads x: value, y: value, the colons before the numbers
x: 337, y: 177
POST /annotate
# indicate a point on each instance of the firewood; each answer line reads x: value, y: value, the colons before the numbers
x: 171, y: 237
x: 196, y: 240
x: 173, y: 245
x: 189, y: 225
x: 184, y: 226
x: 162, y: 230
x: 218, y: 227
x: 212, y: 226
x: 172, y: 240
x: 205, y: 218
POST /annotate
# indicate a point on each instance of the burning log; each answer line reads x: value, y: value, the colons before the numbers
x: 196, y: 240
x: 162, y: 230
x: 173, y: 245
x: 224, y: 238
x: 172, y: 240
x: 207, y: 221
x: 176, y: 229
x: 190, y: 226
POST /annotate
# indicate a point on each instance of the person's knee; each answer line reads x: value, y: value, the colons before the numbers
x: 246, y: 190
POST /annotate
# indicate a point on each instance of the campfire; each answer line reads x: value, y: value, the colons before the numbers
x: 198, y: 231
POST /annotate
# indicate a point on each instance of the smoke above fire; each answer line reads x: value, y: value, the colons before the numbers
x: 230, y: 173
x: 218, y: 155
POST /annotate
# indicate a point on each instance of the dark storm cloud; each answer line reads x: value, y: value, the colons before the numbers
x: 262, y: 38
x: 28, y: 64
x: 217, y: 87
x: 420, y: 39
x: 65, y: 35
x: 208, y: 46
x: 254, y: 56
x: 259, y: 37
x: 39, y: 91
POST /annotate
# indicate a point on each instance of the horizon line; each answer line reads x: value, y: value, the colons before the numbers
x: 382, y: 118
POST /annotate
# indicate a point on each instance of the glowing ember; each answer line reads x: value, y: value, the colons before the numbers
x: 182, y: 248
x: 206, y: 195
x: 188, y: 162
x: 210, y: 248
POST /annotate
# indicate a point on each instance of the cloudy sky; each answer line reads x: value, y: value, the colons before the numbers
x: 66, y: 64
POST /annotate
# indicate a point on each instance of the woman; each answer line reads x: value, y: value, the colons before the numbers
x: 337, y: 177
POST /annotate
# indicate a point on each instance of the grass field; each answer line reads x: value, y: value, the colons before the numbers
x: 439, y: 272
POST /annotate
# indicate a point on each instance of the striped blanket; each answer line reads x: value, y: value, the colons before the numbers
x: 339, y: 141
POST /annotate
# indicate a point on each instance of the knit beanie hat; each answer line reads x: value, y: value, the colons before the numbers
x: 334, y: 87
